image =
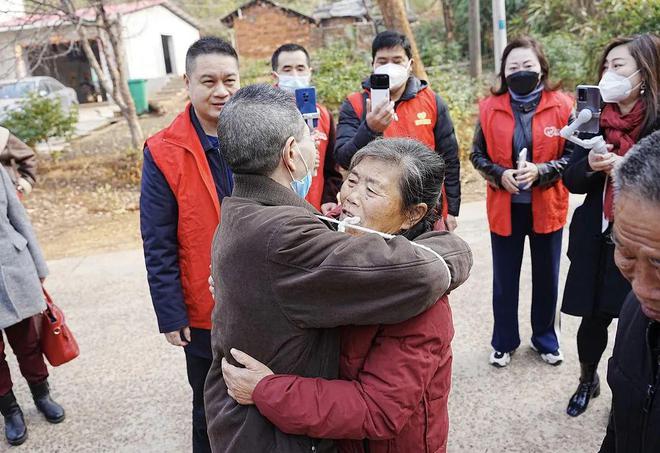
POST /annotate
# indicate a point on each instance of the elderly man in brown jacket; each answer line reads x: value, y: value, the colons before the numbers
x: 19, y: 160
x: 284, y: 279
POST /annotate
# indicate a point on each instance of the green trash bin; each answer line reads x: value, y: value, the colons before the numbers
x: 138, y: 89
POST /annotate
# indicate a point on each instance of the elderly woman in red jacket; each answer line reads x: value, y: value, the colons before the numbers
x: 395, y: 379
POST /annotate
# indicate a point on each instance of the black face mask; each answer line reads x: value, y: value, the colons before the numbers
x: 523, y: 82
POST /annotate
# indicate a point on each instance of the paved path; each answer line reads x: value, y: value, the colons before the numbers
x: 128, y: 392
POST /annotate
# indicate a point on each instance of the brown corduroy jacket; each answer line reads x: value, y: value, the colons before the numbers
x: 284, y: 280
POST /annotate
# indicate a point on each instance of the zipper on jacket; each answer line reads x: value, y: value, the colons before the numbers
x: 651, y: 390
x: 650, y: 393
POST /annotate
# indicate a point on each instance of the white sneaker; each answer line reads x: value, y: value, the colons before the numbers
x: 551, y: 358
x: 499, y: 359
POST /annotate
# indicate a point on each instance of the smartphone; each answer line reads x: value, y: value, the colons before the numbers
x: 306, y: 102
x: 380, y: 89
x: 588, y: 97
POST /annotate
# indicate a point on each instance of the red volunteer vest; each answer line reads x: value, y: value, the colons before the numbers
x: 179, y: 155
x: 417, y: 119
x: 549, y: 204
x: 315, y: 195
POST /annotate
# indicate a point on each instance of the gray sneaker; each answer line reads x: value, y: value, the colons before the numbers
x: 551, y: 358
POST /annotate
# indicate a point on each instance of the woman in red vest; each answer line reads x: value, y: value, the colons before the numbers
x: 518, y: 151
x: 595, y: 288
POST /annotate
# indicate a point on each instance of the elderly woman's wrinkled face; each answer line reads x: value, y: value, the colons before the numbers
x: 637, y: 254
x: 372, y: 193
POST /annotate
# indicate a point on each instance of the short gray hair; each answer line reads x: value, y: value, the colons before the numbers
x: 422, y: 173
x: 639, y: 171
x: 254, y: 126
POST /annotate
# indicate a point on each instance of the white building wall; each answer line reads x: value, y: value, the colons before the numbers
x: 143, y: 45
x: 11, y: 8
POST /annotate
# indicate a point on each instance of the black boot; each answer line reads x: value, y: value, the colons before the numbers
x: 51, y: 410
x: 15, y: 429
x: 589, y: 388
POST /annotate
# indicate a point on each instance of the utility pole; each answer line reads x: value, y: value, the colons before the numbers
x: 475, y: 39
x: 499, y: 31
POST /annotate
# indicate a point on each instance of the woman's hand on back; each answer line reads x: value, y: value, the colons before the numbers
x: 241, y: 382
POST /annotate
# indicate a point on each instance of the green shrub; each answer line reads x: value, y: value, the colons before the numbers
x: 433, y: 47
x: 616, y: 18
x: 461, y: 93
x: 338, y: 72
x: 39, y: 118
x: 255, y: 71
x: 568, y: 60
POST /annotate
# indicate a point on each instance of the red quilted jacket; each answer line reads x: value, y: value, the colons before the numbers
x: 394, y: 386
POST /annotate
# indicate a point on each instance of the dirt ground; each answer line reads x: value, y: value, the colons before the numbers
x: 87, y: 198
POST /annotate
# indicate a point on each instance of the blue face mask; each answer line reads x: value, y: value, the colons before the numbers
x: 301, y: 187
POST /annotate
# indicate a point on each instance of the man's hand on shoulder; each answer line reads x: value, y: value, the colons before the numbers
x: 179, y: 337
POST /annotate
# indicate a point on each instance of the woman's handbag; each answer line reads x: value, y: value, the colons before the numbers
x: 57, y: 342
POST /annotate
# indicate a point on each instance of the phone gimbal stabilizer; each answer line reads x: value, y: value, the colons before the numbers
x: 596, y: 143
x: 310, y: 117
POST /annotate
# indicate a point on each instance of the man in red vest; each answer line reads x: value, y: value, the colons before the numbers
x: 415, y: 111
x: 292, y: 70
x: 184, y: 179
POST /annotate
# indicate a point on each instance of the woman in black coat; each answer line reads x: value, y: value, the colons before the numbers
x: 595, y: 289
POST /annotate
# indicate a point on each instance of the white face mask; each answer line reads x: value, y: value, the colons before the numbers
x: 291, y: 83
x: 398, y: 74
x: 615, y: 87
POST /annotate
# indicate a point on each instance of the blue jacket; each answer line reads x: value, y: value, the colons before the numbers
x: 158, y: 223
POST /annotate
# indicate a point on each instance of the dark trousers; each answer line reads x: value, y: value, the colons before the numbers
x: 592, y: 338
x: 507, y: 260
x: 198, y: 367
x: 24, y: 341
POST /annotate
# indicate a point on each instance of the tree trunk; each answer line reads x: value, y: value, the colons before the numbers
x: 474, y: 39
x: 113, y: 31
x: 117, y: 86
x: 448, y: 17
x: 395, y: 18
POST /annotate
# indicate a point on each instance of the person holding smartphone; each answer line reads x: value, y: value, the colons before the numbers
x: 413, y: 110
x: 518, y: 150
x: 595, y: 289
x: 292, y: 70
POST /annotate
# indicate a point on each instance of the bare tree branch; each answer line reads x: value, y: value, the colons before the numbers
x: 51, y: 29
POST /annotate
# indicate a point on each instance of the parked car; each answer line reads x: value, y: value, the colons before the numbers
x: 12, y: 92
